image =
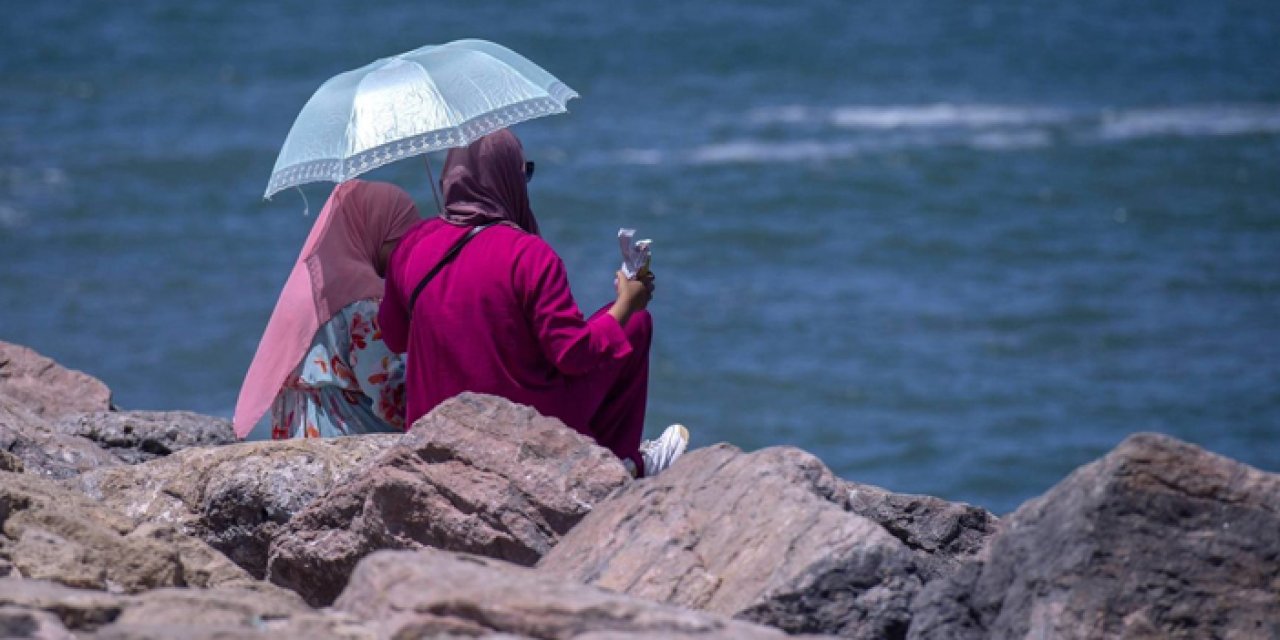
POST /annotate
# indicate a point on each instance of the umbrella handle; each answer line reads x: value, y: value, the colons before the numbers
x: 433, y: 183
x: 306, y: 206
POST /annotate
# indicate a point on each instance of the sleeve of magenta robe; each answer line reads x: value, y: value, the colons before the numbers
x: 570, y: 342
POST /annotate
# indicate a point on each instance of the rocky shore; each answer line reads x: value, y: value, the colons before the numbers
x: 489, y: 520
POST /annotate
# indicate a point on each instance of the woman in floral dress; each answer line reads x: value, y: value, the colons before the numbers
x: 322, y: 368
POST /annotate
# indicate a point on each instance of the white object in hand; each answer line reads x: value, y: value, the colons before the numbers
x: 635, y: 253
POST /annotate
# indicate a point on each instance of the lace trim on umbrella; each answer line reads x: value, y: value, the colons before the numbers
x: 340, y: 170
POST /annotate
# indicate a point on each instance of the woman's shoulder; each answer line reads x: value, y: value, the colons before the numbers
x: 531, y: 253
x: 420, y: 229
x: 523, y: 241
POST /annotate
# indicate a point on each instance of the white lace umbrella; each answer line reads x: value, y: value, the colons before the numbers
x: 428, y: 99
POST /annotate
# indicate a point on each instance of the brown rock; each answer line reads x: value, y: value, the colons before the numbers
x: 51, y: 533
x: 46, y: 388
x: 773, y: 537
x: 139, y: 436
x: 42, y: 450
x: 1159, y: 539
x: 233, y: 497
x: 429, y: 592
x: 170, y: 614
x: 478, y: 474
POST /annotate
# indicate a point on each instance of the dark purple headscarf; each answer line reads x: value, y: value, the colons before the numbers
x: 484, y: 183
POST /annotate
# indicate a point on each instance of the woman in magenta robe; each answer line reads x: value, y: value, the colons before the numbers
x: 500, y: 319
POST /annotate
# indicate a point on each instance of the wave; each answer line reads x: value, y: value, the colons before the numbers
x: 943, y: 115
x: 1189, y: 122
x: 1112, y: 123
x: 910, y: 116
x: 851, y: 131
x: 748, y: 151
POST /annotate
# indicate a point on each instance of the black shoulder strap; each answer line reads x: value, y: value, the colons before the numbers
x: 452, y: 253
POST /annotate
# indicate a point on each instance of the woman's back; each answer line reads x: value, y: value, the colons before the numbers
x: 498, y: 319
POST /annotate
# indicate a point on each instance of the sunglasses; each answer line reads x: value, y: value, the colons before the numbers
x: 528, y: 171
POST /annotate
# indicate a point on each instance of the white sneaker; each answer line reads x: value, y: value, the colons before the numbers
x: 659, y: 454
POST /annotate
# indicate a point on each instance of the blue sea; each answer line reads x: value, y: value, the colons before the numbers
x: 954, y: 248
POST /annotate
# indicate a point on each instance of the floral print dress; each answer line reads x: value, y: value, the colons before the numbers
x: 348, y: 383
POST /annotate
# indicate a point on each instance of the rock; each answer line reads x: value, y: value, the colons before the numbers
x: 772, y: 537
x: 46, y: 388
x: 18, y: 622
x: 168, y: 613
x: 226, y: 613
x: 51, y: 533
x: 233, y: 497
x: 79, y: 442
x: 77, y: 609
x: 11, y: 463
x: 1158, y: 539
x: 478, y: 474
x: 943, y: 534
x: 431, y: 592
x: 42, y: 450
x: 138, y: 436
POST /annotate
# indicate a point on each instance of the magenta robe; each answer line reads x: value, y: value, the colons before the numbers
x: 500, y: 319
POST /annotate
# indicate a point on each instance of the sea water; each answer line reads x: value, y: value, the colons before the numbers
x: 949, y: 248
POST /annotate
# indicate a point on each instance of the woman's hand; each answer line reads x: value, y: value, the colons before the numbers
x: 633, y: 295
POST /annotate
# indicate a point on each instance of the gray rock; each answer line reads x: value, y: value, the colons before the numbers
x: 46, y: 388
x: 20, y: 622
x: 1158, y: 539
x: 478, y: 474
x: 943, y: 534
x: 51, y: 533
x: 75, y: 609
x: 234, y: 497
x: 430, y: 592
x: 772, y: 537
x: 139, y: 436
x: 170, y: 614
x: 40, y: 449
x: 57, y: 422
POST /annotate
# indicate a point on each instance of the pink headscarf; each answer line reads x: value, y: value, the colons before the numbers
x: 335, y: 268
x: 485, y: 183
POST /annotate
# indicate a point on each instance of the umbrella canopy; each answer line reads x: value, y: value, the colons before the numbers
x: 428, y: 99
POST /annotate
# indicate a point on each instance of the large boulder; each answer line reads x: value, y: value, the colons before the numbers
x: 430, y: 593
x: 139, y: 436
x: 47, y: 388
x: 772, y: 537
x: 478, y: 474
x: 234, y: 497
x: 51, y: 533
x: 1159, y: 539
x: 39, y: 609
x: 31, y: 440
